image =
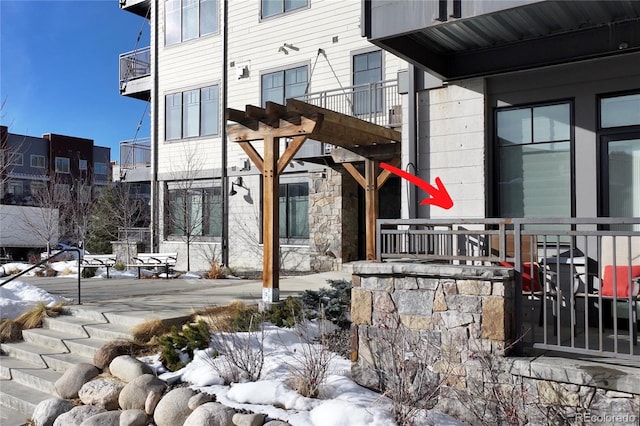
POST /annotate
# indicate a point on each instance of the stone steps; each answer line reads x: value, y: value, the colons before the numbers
x: 30, y: 368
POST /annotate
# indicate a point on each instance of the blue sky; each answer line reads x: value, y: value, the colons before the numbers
x: 59, y: 69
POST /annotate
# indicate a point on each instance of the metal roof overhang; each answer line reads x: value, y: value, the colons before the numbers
x: 534, y: 35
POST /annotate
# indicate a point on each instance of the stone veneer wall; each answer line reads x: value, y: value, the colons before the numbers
x: 465, y: 315
x: 333, y: 222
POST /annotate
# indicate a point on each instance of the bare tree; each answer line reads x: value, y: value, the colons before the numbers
x: 52, y: 198
x: 184, y: 201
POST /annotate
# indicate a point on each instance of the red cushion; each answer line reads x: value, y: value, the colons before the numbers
x: 526, y: 276
x: 622, y: 280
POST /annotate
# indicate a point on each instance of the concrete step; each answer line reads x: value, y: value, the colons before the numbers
x: 11, y: 417
x: 85, y: 347
x: 61, y: 362
x: 87, y: 327
x: 53, y: 339
x: 20, y: 397
x: 26, y: 373
x: 26, y: 351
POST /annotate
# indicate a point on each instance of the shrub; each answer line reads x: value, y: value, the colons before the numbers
x: 89, y: 272
x: 216, y: 271
x: 286, y: 314
x: 119, y: 266
x: 334, y: 302
x: 10, y: 331
x: 178, y: 345
x: 48, y: 271
x: 146, y: 331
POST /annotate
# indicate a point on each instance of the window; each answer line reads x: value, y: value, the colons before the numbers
x: 62, y: 165
x: 38, y: 161
x: 281, y: 85
x: 195, y: 212
x: 82, y: 164
x: 16, y: 188
x: 37, y: 188
x: 16, y: 159
x: 620, y: 153
x: 367, y: 69
x: 534, y: 160
x: 100, y: 169
x: 192, y: 114
x: 294, y: 210
x: 278, y: 7
x: 189, y: 19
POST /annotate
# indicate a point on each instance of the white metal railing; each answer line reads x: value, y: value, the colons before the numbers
x: 378, y: 103
x: 578, y: 278
x: 134, y: 64
x: 135, y: 153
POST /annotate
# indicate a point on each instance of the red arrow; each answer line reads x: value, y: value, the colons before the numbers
x: 439, y: 196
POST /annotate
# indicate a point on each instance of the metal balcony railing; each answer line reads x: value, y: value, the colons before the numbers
x: 135, y: 153
x: 578, y: 279
x: 378, y: 103
x: 134, y: 64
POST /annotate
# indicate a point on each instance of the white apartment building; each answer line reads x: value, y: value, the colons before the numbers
x: 209, y: 55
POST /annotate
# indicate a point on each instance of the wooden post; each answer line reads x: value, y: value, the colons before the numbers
x: 271, y: 221
x: 371, y: 206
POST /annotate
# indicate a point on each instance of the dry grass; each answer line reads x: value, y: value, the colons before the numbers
x: 224, y: 318
x: 216, y: 271
x: 146, y: 331
x: 10, y: 331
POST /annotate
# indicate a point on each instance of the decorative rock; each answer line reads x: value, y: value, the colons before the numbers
x: 48, y: 410
x: 211, y: 414
x: 133, y: 418
x: 127, y: 368
x: 361, y: 306
x: 248, y: 419
x: 107, y: 353
x: 109, y: 418
x: 74, y: 378
x: 77, y: 415
x: 173, y: 408
x: 151, y: 402
x: 134, y: 394
x: 101, y: 392
x: 201, y: 398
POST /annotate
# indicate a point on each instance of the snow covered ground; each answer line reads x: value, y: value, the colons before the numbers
x: 341, y: 401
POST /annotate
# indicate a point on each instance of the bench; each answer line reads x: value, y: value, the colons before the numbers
x: 154, y: 260
x: 98, y: 260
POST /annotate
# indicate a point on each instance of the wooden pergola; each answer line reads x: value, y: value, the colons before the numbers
x: 300, y: 121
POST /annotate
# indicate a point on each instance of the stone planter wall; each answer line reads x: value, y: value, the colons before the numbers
x: 457, y: 323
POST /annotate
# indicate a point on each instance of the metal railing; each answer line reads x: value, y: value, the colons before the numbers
x: 135, y: 153
x: 378, y: 103
x: 134, y: 64
x: 578, y: 278
x: 42, y: 262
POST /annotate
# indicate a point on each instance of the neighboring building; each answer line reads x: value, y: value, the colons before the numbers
x: 74, y: 168
x: 537, y: 113
x: 209, y: 55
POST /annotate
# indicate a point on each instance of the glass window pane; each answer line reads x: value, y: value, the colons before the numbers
x: 298, y: 210
x: 271, y: 7
x: 173, y: 116
x: 283, y: 211
x: 514, y: 126
x: 296, y: 82
x: 195, y: 213
x: 273, y: 88
x: 360, y: 63
x: 294, y: 4
x: 189, y: 19
x: 527, y: 173
x: 552, y: 123
x: 208, y: 16
x: 210, y: 104
x: 191, y: 113
x: 620, y: 111
x: 172, y: 19
x: 624, y: 178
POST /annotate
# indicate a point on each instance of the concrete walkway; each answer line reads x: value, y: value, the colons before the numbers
x: 171, y: 298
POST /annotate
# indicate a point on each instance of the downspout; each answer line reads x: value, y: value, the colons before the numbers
x: 225, y: 183
x: 155, y: 217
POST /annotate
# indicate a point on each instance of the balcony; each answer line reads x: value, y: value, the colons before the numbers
x: 378, y: 103
x: 135, y: 160
x: 578, y: 279
x: 139, y: 7
x: 135, y: 74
